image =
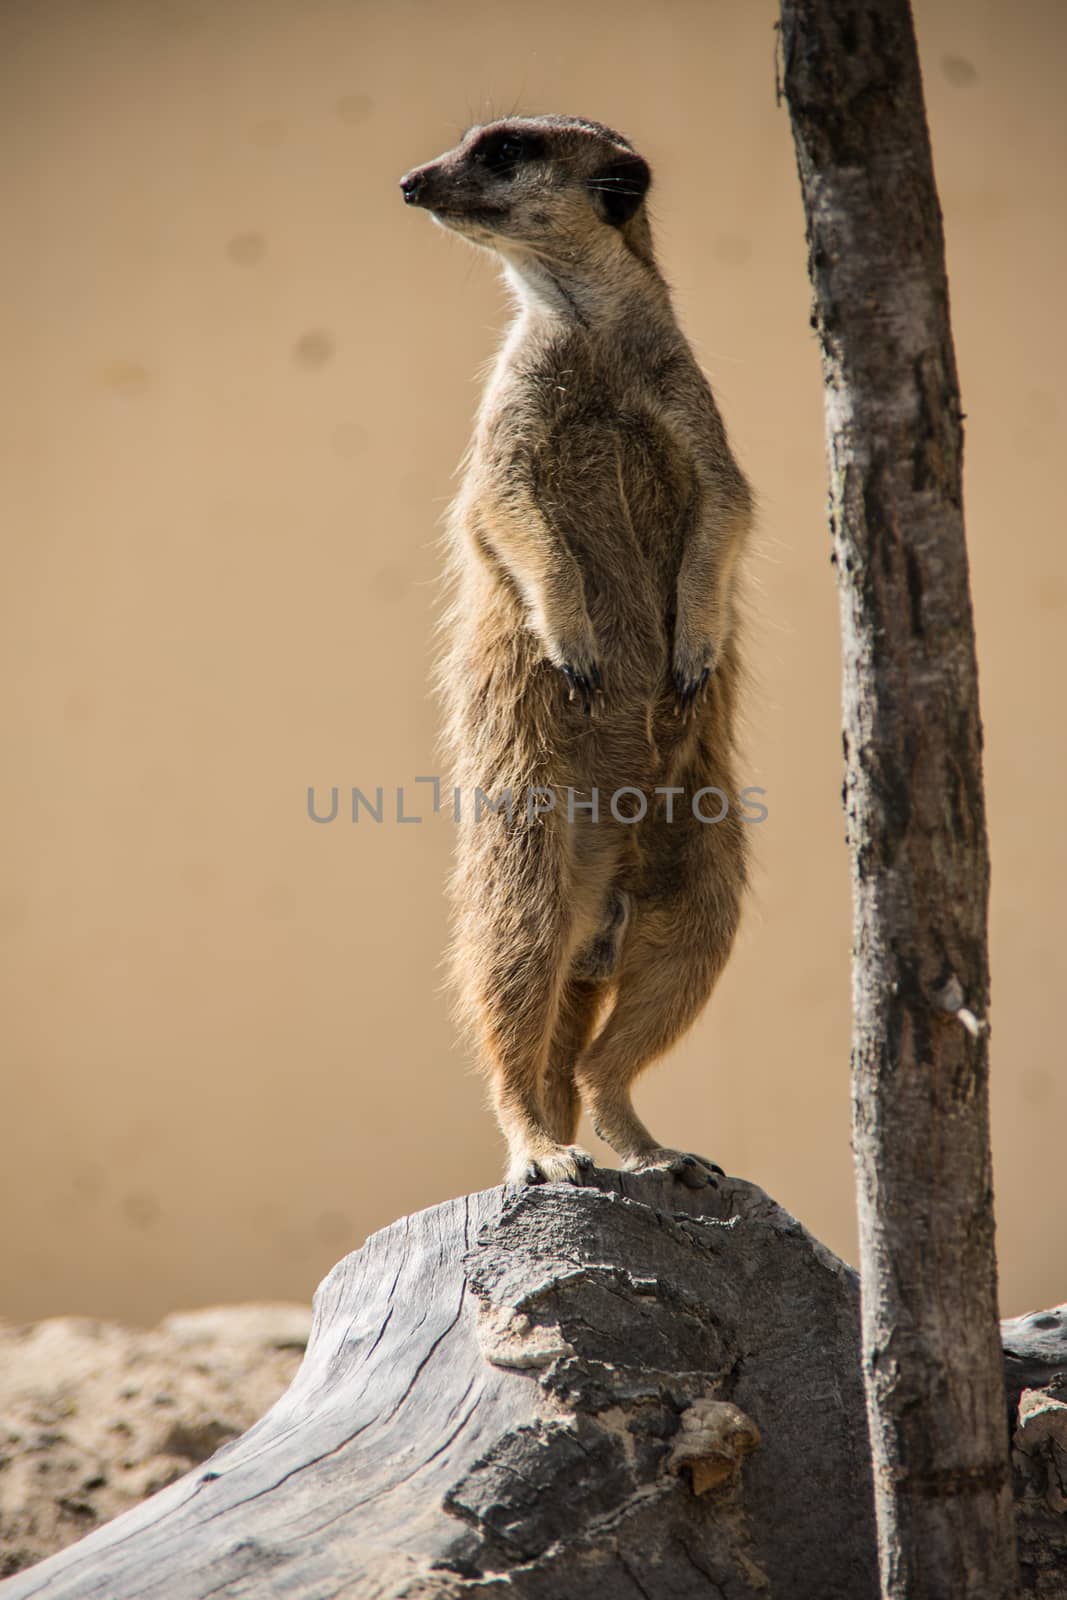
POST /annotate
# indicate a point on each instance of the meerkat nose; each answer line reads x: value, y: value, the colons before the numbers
x: 410, y: 185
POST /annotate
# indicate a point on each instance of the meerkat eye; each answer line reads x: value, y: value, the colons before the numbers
x: 504, y: 153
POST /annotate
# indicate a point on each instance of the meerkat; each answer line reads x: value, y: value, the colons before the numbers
x: 592, y: 664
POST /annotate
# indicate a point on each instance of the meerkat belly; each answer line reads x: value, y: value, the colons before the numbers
x: 620, y: 493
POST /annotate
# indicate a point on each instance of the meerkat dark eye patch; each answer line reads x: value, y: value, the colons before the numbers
x: 619, y: 188
x: 503, y: 153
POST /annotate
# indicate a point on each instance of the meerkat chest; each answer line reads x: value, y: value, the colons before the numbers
x: 599, y: 455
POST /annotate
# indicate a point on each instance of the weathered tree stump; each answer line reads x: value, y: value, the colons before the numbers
x: 631, y: 1387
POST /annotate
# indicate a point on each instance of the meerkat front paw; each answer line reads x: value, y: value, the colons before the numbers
x: 696, y: 1172
x: 561, y: 1163
x: 574, y: 653
x: 584, y: 683
x: 693, y: 667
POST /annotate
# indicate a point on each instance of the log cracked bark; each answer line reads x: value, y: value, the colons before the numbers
x: 630, y: 1386
x: 528, y: 1391
x: 1035, y: 1366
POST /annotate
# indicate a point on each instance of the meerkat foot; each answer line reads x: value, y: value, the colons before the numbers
x: 561, y: 1163
x: 696, y: 1172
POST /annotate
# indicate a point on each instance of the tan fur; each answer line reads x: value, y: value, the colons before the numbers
x: 598, y: 529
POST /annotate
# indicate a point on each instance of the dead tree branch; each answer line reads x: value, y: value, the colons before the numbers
x: 914, y: 798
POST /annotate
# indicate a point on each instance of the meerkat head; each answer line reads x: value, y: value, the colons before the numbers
x: 546, y: 193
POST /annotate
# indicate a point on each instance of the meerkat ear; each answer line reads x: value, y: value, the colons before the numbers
x: 619, y: 188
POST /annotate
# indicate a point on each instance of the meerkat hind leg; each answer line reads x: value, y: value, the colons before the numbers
x: 580, y: 1006
x: 536, y: 1153
x: 662, y: 989
x: 520, y: 1028
x: 516, y: 990
x: 520, y: 1016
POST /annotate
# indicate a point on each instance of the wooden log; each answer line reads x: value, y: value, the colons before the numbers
x: 1035, y: 1370
x: 634, y: 1387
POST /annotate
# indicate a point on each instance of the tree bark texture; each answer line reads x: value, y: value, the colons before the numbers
x: 913, y: 794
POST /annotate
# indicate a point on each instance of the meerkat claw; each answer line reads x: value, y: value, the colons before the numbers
x: 696, y: 1172
x: 691, y: 680
x: 688, y: 690
x: 563, y: 1165
x: 585, y: 683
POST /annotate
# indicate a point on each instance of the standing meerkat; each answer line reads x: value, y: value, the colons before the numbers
x: 591, y: 674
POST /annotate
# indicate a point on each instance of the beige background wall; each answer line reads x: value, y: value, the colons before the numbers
x: 237, y: 379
